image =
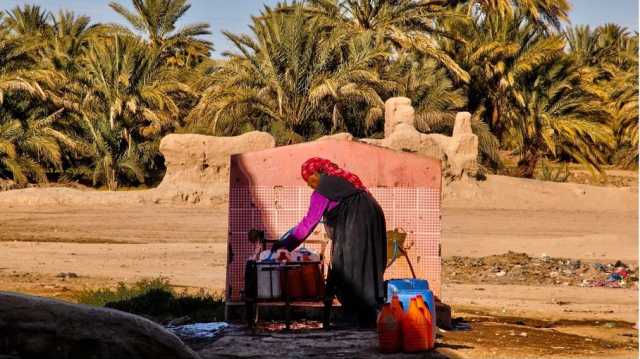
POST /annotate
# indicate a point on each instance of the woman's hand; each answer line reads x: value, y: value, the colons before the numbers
x: 277, y: 245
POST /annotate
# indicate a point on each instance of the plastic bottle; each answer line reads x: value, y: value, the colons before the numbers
x: 415, y: 329
x: 427, y: 314
x: 389, y: 338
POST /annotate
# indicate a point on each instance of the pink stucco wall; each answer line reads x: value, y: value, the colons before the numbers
x: 376, y: 166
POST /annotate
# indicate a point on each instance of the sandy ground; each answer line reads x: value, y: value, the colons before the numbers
x: 107, y: 244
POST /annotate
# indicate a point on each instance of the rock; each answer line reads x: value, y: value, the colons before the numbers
x: 66, y: 275
x: 198, y: 166
x: 35, y: 327
x: 501, y: 274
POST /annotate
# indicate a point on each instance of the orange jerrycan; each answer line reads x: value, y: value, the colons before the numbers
x: 389, y: 340
x: 423, y: 306
x: 415, y: 329
x: 396, y: 307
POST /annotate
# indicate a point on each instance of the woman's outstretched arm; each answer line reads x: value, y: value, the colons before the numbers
x: 317, y: 206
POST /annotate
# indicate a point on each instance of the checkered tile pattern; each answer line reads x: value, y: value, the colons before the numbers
x: 277, y: 209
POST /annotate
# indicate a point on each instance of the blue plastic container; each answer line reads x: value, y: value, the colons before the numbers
x: 406, y: 289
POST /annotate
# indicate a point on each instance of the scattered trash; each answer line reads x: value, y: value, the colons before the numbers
x: 520, y: 268
x: 458, y: 324
x: 179, y: 321
x: 620, y: 264
x: 614, y: 277
x: 198, y: 330
x: 622, y: 272
x: 461, y: 327
x: 523, y: 334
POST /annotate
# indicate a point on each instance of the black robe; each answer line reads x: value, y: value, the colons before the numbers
x: 359, y: 249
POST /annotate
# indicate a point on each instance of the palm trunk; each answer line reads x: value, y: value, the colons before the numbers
x: 496, y: 125
x: 527, y: 165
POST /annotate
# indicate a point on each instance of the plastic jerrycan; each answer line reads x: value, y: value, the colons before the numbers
x: 409, y: 288
x: 427, y: 314
x: 295, y: 288
x: 414, y: 329
x: 396, y: 307
x: 389, y: 338
x: 312, y: 278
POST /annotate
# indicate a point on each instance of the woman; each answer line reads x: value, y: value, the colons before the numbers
x: 355, y: 223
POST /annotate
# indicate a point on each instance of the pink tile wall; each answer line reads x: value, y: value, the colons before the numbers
x: 415, y: 210
x: 267, y: 192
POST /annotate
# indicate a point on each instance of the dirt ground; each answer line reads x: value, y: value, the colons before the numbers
x: 521, y: 317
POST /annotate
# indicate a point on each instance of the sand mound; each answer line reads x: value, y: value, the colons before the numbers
x: 60, y: 196
x: 501, y: 192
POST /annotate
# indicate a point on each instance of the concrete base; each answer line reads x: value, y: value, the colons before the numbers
x: 235, y: 312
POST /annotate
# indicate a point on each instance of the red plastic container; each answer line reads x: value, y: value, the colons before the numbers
x: 425, y: 310
x: 389, y: 331
x: 415, y: 329
x: 313, y: 283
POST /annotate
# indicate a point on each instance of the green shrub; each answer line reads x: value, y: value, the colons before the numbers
x: 549, y: 173
x: 100, y: 297
x: 156, y: 300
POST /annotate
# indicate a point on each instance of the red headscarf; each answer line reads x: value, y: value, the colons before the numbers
x: 327, y: 167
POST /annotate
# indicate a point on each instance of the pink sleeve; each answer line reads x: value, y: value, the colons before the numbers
x: 317, y: 206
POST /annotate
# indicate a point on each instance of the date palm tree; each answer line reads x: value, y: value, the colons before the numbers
x: 157, y: 20
x: 28, y: 20
x: 500, y: 50
x: 32, y: 146
x: 559, y: 119
x: 293, y: 74
x: 609, y: 53
x: 549, y: 14
x: 400, y: 24
x: 129, y: 102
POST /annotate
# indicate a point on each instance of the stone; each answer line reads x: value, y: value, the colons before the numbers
x: 35, y: 327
